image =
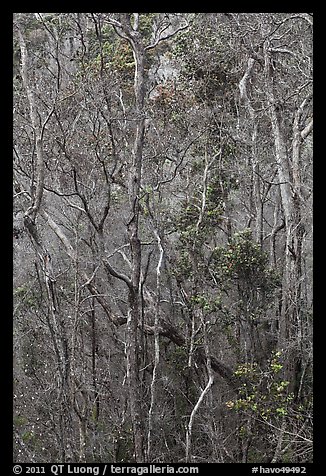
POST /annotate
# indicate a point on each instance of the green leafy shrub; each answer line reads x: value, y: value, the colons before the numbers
x: 243, y: 261
x: 263, y: 391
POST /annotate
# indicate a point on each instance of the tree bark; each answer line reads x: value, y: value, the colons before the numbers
x: 124, y: 29
x: 290, y: 324
x: 55, y: 320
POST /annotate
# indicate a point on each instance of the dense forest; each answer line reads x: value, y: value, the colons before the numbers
x: 162, y: 237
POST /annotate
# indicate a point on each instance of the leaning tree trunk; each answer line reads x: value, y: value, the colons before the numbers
x: 55, y: 319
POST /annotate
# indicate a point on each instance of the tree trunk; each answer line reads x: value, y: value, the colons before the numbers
x: 290, y: 325
x: 134, y: 352
x: 55, y: 319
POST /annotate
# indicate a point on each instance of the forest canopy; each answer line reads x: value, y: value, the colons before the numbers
x: 162, y: 237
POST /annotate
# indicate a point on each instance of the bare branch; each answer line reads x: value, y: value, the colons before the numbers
x: 116, y: 274
x: 306, y: 131
x: 156, y: 344
x: 166, y: 37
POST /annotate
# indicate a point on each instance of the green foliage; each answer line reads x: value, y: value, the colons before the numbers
x: 187, y: 221
x: 146, y: 21
x: 188, y: 217
x: 263, y: 391
x: 114, y: 56
x: 20, y: 420
x: 27, y: 295
x: 178, y: 359
x: 206, y: 62
x: 118, y: 56
x: 243, y: 261
x: 20, y: 291
x: 94, y: 414
x: 206, y: 303
x: 220, y: 186
x: 183, y: 266
x: 28, y: 437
